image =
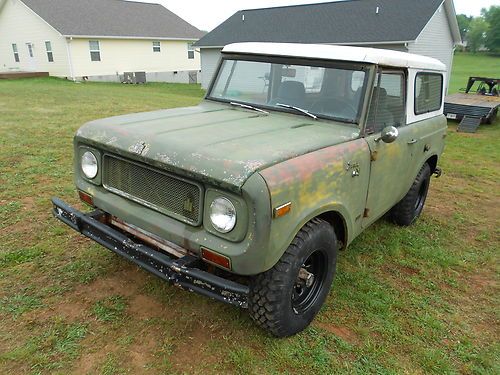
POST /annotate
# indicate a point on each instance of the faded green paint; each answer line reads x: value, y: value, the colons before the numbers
x: 260, y: 162
x: 316, y: 183
x: 213, y: 143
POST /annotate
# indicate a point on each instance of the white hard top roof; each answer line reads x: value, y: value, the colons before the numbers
x: 377, y: 56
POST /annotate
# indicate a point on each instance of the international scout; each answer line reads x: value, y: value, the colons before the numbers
x: 248, y: 197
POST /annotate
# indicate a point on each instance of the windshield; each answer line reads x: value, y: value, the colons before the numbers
x: 314, y: 90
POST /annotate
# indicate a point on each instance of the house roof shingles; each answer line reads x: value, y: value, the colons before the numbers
x: 353, y: 21
x: 113, y: 18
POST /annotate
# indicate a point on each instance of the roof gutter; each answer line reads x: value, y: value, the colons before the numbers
x: 328, y: 44
x: 127, y: 37
x: 369, y: 43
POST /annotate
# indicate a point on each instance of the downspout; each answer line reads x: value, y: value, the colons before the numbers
x: 451, y: 67
x: 70, y: 60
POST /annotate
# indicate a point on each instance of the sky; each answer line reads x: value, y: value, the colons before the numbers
x: 207, y: 14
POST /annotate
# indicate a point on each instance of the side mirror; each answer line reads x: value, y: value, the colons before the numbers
x: 389, y: 135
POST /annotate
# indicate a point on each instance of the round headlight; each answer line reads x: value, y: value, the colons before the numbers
x: 223, y: 215
x: 89, y: 165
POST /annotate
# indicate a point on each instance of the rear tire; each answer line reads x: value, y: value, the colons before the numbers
x: 285, y: 299
x: 410, y: 207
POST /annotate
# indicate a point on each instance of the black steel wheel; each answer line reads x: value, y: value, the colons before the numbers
x: 308, y: 283
x: 285, y: 299
x: 411, y: 206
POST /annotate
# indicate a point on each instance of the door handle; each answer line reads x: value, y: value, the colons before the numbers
x: 413, y: 141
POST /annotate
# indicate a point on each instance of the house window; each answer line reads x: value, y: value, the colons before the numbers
x: 428, y: 92
x: 95, y: 51
x: 16, y: 52
x: 30, y: 49
x: 156, y: 47
x: 190, y: 51
x: 50, y: 55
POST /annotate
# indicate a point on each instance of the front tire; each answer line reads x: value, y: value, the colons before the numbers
x: 285, y: 299
x: 411, y: 206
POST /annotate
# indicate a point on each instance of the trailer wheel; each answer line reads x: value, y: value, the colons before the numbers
x: 285, y: 299
x: 491, y: 119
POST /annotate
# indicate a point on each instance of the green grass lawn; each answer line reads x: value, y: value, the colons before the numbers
x: 466, y: 65
x: 418, y: 300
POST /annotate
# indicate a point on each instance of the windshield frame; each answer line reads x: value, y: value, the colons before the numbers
x: 329, y: 64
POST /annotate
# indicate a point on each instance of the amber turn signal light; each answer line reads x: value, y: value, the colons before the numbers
x: 283, y: 209
x: 214, y: 258
x: 86, y: 198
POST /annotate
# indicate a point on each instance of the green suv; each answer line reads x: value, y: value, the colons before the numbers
x: 248, y: 197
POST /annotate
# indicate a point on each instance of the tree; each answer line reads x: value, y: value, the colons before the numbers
x: 464, y: 24
x: 492, y: 18
x: 476, y: 37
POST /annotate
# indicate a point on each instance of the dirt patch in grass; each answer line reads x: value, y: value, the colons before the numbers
x: 125, y: 282
x: 344, y: 333
x: 145, y: 307
x: 90, y: 362
x: 193, y: 347
x: 142, y: 352
x: 23, y: 226
x: 479, y: 282
x: 28, y: 203
x: 437, y: 204
x: 77, y: 303
x: 70, y: 310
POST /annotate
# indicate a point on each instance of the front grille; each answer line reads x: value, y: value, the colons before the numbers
x: 160, y: 191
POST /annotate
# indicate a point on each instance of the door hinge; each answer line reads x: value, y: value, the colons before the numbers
x: 373, y: 155
x: 366, y: 213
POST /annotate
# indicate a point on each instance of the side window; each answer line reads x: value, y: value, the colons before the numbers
x: 156, y: 46
x: 95, y: 50
x: 428, y: 92
x: 50, y: 54
x: 16, y: 52
x: 387, y: 107
x: 191, y: 50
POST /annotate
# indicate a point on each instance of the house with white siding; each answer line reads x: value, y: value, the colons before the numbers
x: 97, y: 40
x: 425, y: 27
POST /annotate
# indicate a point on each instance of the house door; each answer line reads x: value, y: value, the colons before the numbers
x: 31, y: 61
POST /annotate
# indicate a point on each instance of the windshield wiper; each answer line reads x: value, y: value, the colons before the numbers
x: 304, y: 111
x: 249, y: 107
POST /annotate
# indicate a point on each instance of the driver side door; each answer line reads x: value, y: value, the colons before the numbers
x: 389, y: 168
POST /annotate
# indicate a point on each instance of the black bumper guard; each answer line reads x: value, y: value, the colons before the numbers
x: 180, y: 272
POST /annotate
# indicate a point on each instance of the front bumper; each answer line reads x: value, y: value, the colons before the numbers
x: 181, y: 272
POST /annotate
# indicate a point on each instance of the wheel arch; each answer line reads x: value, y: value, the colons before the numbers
x: 337, y: 221
x: 432, y: 161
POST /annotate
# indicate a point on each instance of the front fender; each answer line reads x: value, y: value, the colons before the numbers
x: 315, y: 183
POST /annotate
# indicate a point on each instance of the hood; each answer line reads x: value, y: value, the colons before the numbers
x: 213, y: 142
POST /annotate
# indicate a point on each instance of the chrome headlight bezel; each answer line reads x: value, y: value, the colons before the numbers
x: 89, y: 165
x: 223, y: 216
